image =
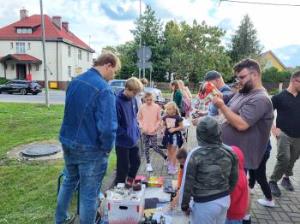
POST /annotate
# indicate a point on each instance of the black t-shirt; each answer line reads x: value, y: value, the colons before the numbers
x: 288, y: 113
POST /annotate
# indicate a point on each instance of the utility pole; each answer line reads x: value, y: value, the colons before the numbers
x: 140, y: 70
x: 44, y: 56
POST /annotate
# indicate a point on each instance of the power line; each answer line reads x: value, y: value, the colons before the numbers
x: 261, y: 3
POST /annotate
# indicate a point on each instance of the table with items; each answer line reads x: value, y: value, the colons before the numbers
x: 150, y: 205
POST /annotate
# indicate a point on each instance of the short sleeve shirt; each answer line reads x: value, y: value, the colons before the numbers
x: 172, y: 121
x: 257, y: 110
x: 288, y: 113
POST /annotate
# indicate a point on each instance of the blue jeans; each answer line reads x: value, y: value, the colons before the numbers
x: 87, y: 168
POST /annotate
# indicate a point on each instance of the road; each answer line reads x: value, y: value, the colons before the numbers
x: 55, y: 97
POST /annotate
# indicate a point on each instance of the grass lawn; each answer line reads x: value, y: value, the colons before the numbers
x: 28, y: 189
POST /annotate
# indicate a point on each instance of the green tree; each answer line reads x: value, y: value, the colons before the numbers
x: 244, y: 42
x: 195, y: 50
x: 149, y: 28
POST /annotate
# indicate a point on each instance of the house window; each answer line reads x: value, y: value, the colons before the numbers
x: 20, y: 46
x: 24, y: 30
x: 28, y: 46
x: 87, y: 56
x: 70, y: 71
x: 69, y: 51
x: 79, y: 54
x: 37, y: 67
x: 11, y: 45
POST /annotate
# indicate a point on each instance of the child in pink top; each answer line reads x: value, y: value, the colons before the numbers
x: 149, y: 119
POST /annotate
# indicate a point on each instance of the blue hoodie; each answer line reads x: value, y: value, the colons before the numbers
x: 128, y: 132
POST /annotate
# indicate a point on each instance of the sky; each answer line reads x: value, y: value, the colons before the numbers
x: 108, y: 22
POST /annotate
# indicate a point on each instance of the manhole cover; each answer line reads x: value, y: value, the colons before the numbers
x: 39, y: 150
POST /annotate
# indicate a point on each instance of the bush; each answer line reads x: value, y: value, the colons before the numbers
x: 273, y: 92
x: 273, y: 75
x: 3, y: 80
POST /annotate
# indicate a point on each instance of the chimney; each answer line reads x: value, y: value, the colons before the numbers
x: 23, y: 14
x: 57, y: 21
x: 66, y: 26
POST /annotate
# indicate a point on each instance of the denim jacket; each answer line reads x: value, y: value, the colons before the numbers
x: 90, y: 119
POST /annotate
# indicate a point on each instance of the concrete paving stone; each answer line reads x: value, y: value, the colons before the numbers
x: 286, y: 208
x: 285, y: 222
x: 263, y: 216
x: 284, y: 216
x: 295, y: 220
x: 260, y: 211
x: 294, y: 215
x: 262, y: 221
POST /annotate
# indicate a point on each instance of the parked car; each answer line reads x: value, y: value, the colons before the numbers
x: 21, y: 86
x: 119, y: 84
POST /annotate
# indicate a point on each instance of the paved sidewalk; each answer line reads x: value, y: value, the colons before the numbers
x: 288, y: 205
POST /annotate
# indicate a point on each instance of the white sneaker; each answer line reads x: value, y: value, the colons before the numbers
x: 149, y: 167
x: 266, y: 202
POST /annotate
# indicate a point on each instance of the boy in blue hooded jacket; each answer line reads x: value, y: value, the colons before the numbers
x: 128, y: 134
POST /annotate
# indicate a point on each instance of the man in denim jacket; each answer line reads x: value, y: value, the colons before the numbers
x: 87, y: 135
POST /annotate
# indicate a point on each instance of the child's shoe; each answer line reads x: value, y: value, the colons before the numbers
x: 129, y: 182
x: 137, y: 186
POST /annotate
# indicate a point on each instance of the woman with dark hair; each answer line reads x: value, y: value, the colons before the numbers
x: 177, y: 95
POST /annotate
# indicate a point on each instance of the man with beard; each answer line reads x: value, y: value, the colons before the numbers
x: 287, y: 132
x: 249, y: 117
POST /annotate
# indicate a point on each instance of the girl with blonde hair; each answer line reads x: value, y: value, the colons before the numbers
x: 172, y: 139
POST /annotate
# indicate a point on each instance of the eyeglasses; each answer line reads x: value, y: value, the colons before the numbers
x: 241, y: 77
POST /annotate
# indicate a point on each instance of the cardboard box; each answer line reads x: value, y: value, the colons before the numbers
x: 127, y: 208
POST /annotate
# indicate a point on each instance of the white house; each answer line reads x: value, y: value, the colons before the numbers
x: 21, y: 54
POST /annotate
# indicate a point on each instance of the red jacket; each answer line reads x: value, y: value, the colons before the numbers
x: 239, y: 196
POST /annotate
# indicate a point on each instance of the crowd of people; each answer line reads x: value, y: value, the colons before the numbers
x: 233, y: 138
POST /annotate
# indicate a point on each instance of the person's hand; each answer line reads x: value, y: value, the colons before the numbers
x: 218, y: 101
x: 171, y: 130
x: 173, y: 204
x: 186, y: 209
x: 276, y: 132
x: 195, y: 121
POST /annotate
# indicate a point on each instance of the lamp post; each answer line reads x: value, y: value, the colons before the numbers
x: 44, y: 56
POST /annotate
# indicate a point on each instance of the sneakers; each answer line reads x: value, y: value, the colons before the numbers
x: 149, y: 167
x: 274, y: 189
x: 286, y: 183
x: 247, y: 221
x: 137, y: 186
x: 267, y: 203
x: 129, y: 182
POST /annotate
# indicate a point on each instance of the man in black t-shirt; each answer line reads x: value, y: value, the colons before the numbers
x: 287, y: 132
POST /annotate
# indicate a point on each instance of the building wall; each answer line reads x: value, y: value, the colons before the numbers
x: 77, y: 66
x: 56, y: 56
x: 270, y: 61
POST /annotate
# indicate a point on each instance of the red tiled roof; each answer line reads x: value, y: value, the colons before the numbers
x: 21, y: 58
x: 52, y: 32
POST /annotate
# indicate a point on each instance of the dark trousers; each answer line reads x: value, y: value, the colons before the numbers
x: 128, y: 163
x: 259, y: 175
